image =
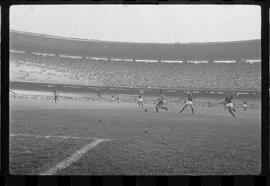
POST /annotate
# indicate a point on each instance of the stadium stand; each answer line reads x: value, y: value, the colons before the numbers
x: 54, y: 69
x: 85, y: 70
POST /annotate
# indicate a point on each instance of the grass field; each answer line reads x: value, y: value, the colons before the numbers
x: 99, y: 138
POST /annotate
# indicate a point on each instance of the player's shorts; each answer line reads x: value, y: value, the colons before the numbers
x: 189, y: 103
x: 245, y: 105
x: 159, y: 104
x: 229, y: 105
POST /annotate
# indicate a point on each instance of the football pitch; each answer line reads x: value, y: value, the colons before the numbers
x: 102, y: 138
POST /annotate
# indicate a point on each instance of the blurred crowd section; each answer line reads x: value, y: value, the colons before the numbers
x: 52, y: 69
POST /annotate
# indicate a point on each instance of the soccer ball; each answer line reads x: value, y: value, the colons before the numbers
x: 145, y: 110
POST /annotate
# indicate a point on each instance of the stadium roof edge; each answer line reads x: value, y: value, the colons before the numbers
x: 133, y: 43
x: 234, y: 50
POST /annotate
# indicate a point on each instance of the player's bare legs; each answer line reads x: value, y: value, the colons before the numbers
x: 158, y: 106
x: 192, y: 109
x: 231, y: 110
x: 183, y: 109
x: 140, y: 104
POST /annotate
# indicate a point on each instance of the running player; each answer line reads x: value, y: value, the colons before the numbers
x: 140, y: 101
x: 229, y: 104
x: 160, y: 103
x: 113, y: 98
x: 188, y: 102
x: 55, y: 96
x: 117, y: 99
x: 245, y: 105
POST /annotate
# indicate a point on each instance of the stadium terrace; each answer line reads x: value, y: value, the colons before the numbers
x: 215, y: 66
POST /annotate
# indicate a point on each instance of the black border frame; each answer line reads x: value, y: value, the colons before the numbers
x: 261, y: 179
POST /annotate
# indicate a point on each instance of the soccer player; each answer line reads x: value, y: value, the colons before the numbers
x: 117, y: 99
x: 188, y: 102
x: 160, y: 103
x: 113, y: 98
x: 229, y: 104
x: 245, y: 105
x: 140, y: 101
x: 55, y: 96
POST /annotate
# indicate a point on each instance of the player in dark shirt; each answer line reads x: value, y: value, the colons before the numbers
x: 188, y: 102
x: 229, y: 104
x: 117, y: 99
x: 161, y: 101
x: 55, y: 96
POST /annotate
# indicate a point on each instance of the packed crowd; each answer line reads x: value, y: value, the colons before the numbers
x: 28, y: 67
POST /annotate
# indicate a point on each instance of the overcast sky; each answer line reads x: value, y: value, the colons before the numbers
x: 141, y: 23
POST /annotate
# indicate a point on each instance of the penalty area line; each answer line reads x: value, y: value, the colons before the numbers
x: 73, y: 158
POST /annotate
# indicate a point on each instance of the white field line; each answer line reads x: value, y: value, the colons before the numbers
x: 73, y: 158
x: 48, y: 136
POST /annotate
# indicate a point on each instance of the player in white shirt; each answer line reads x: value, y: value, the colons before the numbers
x: 140, y: 101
